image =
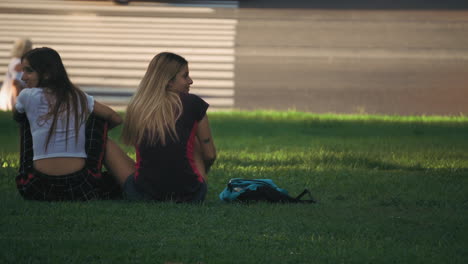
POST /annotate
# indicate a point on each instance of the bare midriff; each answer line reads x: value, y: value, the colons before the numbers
x: 59, y: 166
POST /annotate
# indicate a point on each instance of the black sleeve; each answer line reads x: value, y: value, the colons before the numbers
x: 196, y: 106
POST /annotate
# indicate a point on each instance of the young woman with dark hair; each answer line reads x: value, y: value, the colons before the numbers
x: 64, y: 134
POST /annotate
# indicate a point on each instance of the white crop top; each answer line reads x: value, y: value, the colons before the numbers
x: 34, y: 103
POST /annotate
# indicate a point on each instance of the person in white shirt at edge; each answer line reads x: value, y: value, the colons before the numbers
x: 12, y: 84
x: 58, y: 116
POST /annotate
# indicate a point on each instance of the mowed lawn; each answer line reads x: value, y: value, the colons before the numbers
x: 390, y: 190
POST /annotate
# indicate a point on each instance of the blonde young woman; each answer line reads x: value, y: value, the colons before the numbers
x: 12, y: 84
x: 172, y: 137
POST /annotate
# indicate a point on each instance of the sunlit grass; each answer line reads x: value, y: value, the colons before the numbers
x: 391, y: 189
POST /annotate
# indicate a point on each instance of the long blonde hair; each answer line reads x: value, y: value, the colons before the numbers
x: 154, y: 109
x: 21, y: 46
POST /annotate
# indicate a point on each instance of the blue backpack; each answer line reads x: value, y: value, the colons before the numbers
x: 245, y: 190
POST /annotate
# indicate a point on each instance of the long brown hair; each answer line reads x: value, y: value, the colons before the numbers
x: 66, y: 98
x: 154, y: 109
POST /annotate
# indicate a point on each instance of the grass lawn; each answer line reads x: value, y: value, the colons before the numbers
x: 390, y: 189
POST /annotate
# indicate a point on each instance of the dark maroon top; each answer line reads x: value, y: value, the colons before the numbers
x: 169, y: 172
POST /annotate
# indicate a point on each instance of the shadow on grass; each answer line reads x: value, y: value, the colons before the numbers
x: 316, y: 127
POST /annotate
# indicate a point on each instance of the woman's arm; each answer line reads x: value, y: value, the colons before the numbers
x: 18, y: 85
x: 106, y: 113
x: 206, y: 143
x: 19, y: 111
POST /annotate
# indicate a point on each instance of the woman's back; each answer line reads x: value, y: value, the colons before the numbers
x: 65, y: 151
x: 170, y: 131
x: 64, y: 141
x: 63, y: 134
x: 164, y: 169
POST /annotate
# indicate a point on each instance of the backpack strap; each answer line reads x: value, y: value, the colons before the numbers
x: 306, y: 191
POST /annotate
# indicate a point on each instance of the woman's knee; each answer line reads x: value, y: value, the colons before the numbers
x: 118, y: 162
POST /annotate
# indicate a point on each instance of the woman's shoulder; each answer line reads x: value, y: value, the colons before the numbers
x: 32, y: 91
x: 191, y: 98
x: 188, y: 95
x: 29, y: 98
x: 31, y: 94
x: 194, y: 105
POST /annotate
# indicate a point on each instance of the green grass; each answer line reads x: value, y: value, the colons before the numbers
x: 391, y: 190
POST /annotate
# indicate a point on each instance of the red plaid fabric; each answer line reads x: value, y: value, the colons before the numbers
x: 87, y: 184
